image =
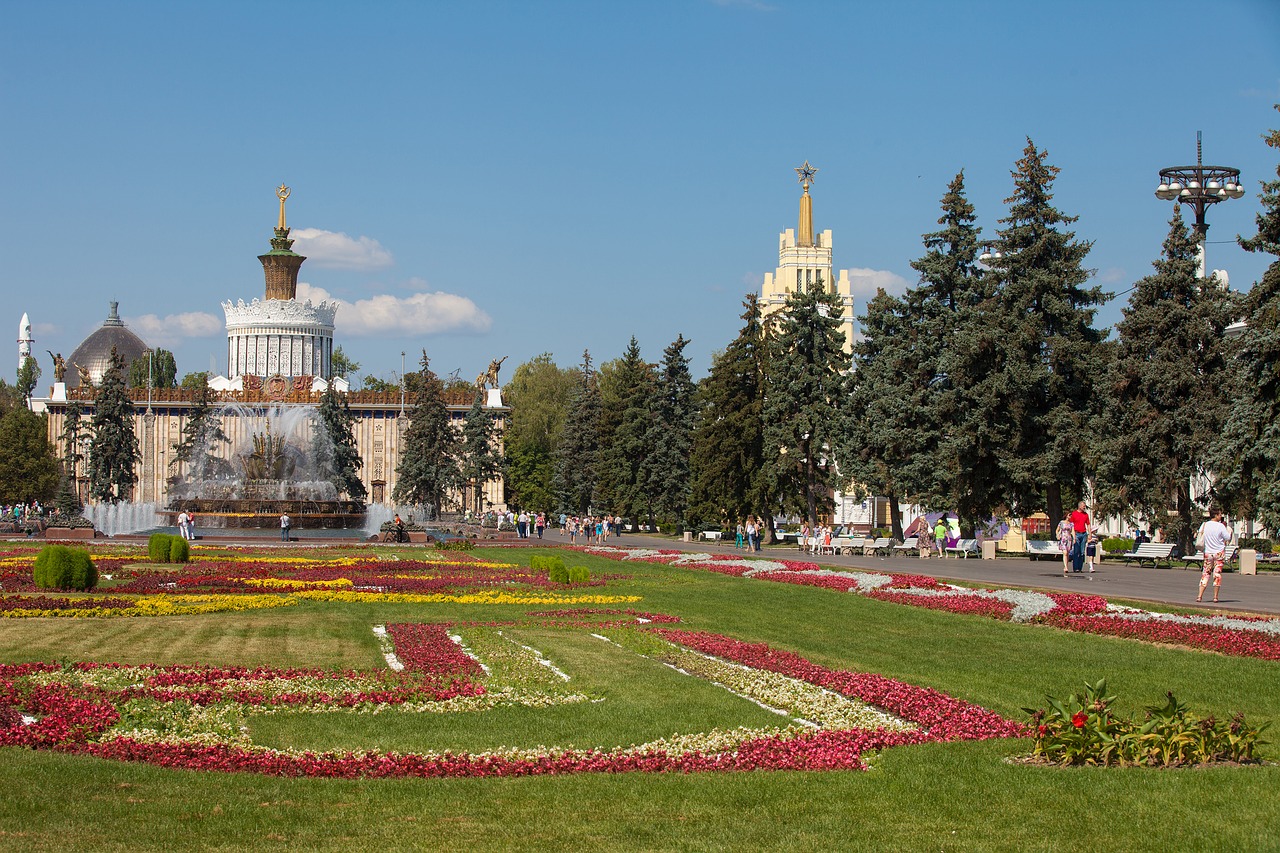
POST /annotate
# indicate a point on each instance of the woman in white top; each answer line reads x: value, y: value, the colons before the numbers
x: 1214, y: 535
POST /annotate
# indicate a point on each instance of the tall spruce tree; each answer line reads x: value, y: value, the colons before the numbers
x: 728, y: 477
x: 334, y: 445
x: 666, y: 469
x: 29, y: 469
x: 113, y: 452
x: 538, y: 395
x: 430, y: 468
x: 883, y: 442
x: 806, y: 395
x: 201, y: 437
x: 1247, y: 458
x: 1167, y: 388
x: 1046, y: 357
x: 577, y: 457
x: 481, y: 461
x: 628, y: 397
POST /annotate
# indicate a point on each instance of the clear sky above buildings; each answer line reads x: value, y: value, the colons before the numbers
x: 489, y: 178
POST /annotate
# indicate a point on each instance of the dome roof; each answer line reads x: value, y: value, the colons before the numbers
x: 94, y: 352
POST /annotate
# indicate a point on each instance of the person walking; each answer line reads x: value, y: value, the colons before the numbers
x: 285, y: 524
x: 1215, y: 536
x: 1066, y: 538
x: 1080, y: 527
x: 940, y: 536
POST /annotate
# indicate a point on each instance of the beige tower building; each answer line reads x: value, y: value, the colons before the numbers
x: 804, y: 261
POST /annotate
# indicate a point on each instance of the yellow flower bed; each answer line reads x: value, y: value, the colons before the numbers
x: 165, y: 605
x: 287, y: 584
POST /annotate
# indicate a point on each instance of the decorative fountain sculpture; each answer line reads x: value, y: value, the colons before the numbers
x: 276, y: 475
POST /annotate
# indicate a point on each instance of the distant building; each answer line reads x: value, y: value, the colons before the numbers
x: 805, y: 261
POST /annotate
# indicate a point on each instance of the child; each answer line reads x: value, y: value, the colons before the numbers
x: 1091, y: 548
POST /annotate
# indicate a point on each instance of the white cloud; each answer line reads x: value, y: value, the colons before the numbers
x: 1112, y: 275
x: 337, y: 250
x: 173, y: 329
x: 415, y: 314
x: 865, y: 282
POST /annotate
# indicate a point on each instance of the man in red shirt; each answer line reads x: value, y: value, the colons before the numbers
x: 1080, y: 524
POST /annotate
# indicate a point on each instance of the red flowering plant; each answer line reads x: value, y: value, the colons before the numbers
x: 1083, y: 730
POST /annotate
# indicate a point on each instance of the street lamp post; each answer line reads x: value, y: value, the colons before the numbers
x: 401, y: 382
x: 1199, y: 186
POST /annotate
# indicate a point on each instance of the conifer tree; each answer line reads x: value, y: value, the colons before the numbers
x: 1167, y: 387
x: 481, y: 461
x: 628, y: 396
x: 201, y: 437
x: 1044, y: 359
x: 578, y: 454
x: 334, y: 445
x: 666, y: 469
x: 538, y: 395
x: 1247, y: 458
x: 805, y: 398
x: 728, y: 477
x: 430, y: 468
x: 113, y: 452
x: 29, y: 469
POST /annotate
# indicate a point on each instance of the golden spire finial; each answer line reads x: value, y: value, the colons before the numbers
x: 282, y: 193
x: 805, y: 235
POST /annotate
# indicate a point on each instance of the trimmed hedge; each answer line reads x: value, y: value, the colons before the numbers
x: 60, y: 567
x: 1262, y: 546
x: 167, y: 548
x: 579, y: 574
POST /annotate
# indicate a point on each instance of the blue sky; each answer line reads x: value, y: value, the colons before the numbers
x: 489, y: 179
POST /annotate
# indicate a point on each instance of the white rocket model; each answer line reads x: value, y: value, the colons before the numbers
x: 24, y: 341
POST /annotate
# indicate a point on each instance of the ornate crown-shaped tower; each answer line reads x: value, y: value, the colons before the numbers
x: 281, y: 264
x: 280, y: 335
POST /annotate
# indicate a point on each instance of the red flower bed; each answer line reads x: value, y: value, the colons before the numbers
x: 1254, y: 644
x: 958, y: 603
x: 1078, y: 603
x: 38, y: 602
x: 835, y: 582
x: 426, y: 647
x: 941, y: 716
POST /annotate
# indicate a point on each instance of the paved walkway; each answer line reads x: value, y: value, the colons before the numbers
x: 1258, y: 594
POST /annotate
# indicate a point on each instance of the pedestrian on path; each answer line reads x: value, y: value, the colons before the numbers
x: 1066, y: 539
x: 1080, y: 526
x: 1213, y: 537
x: 285, y: 524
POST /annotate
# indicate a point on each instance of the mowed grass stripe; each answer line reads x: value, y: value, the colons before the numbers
x: 642, y: 701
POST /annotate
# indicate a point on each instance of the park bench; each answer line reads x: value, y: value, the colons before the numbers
x: 964, y: 547
x: 882, y: 546
x: 1037, y: 548
x: 909, y: 546
x: 848, y: 544
x: 1198, y: 558
x: 711, y: 535
x: 1151, y: 552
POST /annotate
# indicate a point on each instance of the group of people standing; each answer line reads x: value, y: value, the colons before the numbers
x: 749, y: 533
x: 187, y: 526
x: 592, y: 528
x: 936, y: 538
x: 528, y: 523
x: 1077, y: 539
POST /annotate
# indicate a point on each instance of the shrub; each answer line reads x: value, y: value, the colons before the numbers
x: 579, y: 574
x: 1117, y: 545
x: 1082, y: 730
x: 558, y: 573
x: 1262, y: 546
x: 179, y: 550
x: 158, y: 548
x: 60, y: 567
x: 455, y: 545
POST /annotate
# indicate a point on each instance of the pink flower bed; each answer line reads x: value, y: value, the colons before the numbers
x: 834, y: 582
x: 941, y: 716
x: 1254, y: 644
x: 958, y: 603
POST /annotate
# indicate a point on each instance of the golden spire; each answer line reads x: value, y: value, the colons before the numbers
x: 804, y: 235
x: 282, y: 193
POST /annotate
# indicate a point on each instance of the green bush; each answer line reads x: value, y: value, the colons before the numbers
x: 1082, y: 729
x: 179, y: 550
x: 558, y: 573
x: 1262, y: 546
x: 60, y: 567
x: 158, y: 548
x: 455, y: 545
x: 1117, y: 545
x: 579, y: 574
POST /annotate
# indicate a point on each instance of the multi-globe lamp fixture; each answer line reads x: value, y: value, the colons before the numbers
x: 1199, y: 187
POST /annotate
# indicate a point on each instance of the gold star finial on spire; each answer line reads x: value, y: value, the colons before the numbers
x: 282, y: 193
x: 806, y: 173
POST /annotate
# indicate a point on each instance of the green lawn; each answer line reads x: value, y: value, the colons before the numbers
x: 937, y: 796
